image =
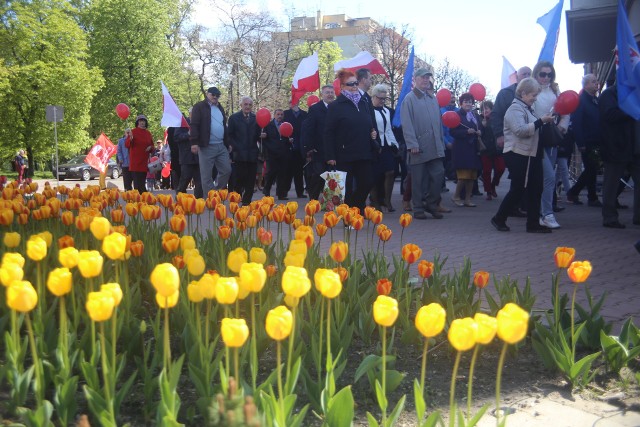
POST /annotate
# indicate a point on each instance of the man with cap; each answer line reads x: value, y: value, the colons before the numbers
x: 139, y: 142
x: 422, y: 129
x: 208, y: 140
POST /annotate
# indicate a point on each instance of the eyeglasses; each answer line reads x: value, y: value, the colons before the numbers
x: 381, y: 98
x: 351, y: 84
x: 545, y: 75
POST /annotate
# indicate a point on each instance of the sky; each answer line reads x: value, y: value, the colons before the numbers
x: 473, y: 34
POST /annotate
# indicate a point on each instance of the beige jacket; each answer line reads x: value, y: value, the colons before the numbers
x: 520, y: 134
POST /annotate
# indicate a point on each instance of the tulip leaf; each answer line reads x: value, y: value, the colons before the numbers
x: 39, y: 417
x: 395, y: 414
x: 341, y: 409
x: 418, y: 396
x: 583, y: 365
x: 381, y: 396
x: 372, y: 421
x: 370, y: 362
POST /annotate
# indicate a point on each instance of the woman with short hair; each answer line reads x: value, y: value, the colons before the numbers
x: 464, y: 151
x: 140, y: 143
x: 523, y: 156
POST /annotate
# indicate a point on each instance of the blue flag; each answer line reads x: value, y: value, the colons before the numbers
x: 628, y: 72
x: 406, y: 88
x: 550, y: 21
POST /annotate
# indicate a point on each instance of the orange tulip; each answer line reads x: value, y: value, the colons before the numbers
x: 199, y: 206
x: 342, y: 272
x: 67, y: 218
x: 357, y: 222
x: 339, y: 251
x: 170, y: 242
x: 224, y: 232
x: 579, y: 271
x: 305, y: 233
x: 178, y: 223
x: 564, y: 256
x: 312, y: 207
x: 330, y: 219
x: 137, y: 248
x: 265, y: 237
x: 291, y: 207
x: 321, y: 230
x: 65, y: 241
x: 368, y: 211
x: 376, y: 217
x: 178, y: 262
x: 272, y: 270
x: 220, y: 212
x: 233, y: 197
x: 223, y: 193
x: 411, y: 253
x: 83, y: 222
x: 131, y: 209
x: 278, y: 213
x: 117, y: 216
x: 383, y: 286
x: 425, y: 269
x: 405, y: 220
x: 481, y: 279
x: 242, y: 213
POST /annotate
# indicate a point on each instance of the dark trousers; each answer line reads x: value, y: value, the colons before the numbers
x: 139, y: 181
x: 359, y: 182
x: 295, y: 173
x: 245, y: 173
x: 315, y: 183
x: 526, y: 181
x: 175, y: 174
x: 588, y: 176
x: 126, y: 178
x: 187, y: 173
x: 277, y: 173
x: 611, y: 184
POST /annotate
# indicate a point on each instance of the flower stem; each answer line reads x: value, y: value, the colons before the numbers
x: 279, y: 367
x: 470, y: 385
x: 167, y: 347
x: 499, y: 382
x: 291, y: 340
x: 384, y: 374
x: 236, y: 365
x: 114, y: 337
x: 452, y: 391
x: 573, y: 338
x: 320, y: 344
x: 423, y: 370
x: 36, y: 362
x: 329, y: 357
x: 254, y: 343
x: 105, y: 370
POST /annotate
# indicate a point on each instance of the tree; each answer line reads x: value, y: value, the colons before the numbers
x: 44, y: 50
x: 452, y: 77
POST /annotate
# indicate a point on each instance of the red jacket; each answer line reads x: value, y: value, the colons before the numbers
x: 138, y: 154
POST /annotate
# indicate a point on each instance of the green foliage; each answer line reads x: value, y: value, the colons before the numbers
x: 328, y: 54
x: 594, y: 322
x: 619, y: 351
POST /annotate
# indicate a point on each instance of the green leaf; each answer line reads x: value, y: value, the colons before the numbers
x: 418, y: 396
x: 395, y: 414
x: 582, y: 365
x: 372, y: 421
x: 381, y: 397
x: 370, y: 362
x: 341, y: 409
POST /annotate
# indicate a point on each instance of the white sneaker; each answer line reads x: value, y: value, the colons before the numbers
x: 549, y: 221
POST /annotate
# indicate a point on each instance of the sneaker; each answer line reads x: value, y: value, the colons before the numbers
x: 549, y: 221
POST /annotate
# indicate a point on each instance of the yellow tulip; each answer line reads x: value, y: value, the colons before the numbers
x: 114, y: 245
x: 463, y: 333
x: 11, y: 239
x: 21, y: 296
x: 234, y: 332
x: 194, y: 292
x: 258, y: 255
x: 430, y: 320
x: 100, y: 227
x: 167, y: 302
x: 291, y: 301
x: 295, y: 281
x: 208, y: 283
x: 513, y: 323
x: 227, y: 290
x: 69, y: 257
x: 293, y: 259
x: 385, y: 310
x: 298, y: 247
x: 90, y: 263
x: 59, y: 281
x: 236, y: 258
x: 47, y: 237
x: 165, y: 279
x: 187, y: 242
x: 36, y: 248
x: 305, y: 233
x: 579, y: 271
x: 9, y: 272
x: 115, y: 290
x: 100, y: 306
x: 13, y: 258
x: 195, y: 265
x: 253, y: 276
x: 327, y: 282
x: 487, y: 328
x: 279, y: 322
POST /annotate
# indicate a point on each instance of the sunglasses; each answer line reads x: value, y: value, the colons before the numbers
x: 545, y: 75
x: 351, y: 84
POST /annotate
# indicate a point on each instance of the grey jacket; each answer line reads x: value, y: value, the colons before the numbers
x: 422, y: 127
x: 520, y: 134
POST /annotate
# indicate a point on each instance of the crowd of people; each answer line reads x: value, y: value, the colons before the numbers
x: 520, y: 134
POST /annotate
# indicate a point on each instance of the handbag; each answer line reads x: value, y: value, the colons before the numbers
x: 334, y: 189
x: 550, y: 136
x: 154, y: 165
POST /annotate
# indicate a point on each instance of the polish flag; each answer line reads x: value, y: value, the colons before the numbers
x: 100, y: 153
x: 362, y: 60
x: 508, y: 74
x: 306, y: 79
x: 171, y: 115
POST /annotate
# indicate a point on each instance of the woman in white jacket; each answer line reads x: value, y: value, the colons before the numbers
x: 523, y: 156
x: 545, y: 75
x: 385, y: 167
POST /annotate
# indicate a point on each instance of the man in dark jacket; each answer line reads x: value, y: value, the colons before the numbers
x: 208, y: 136
x: 243, y: 133
x: 296, y: 117
x: 620, y: 151
x: 189, y: 162
x: 312, y: 142
x: 503, y: 102
x: 278, y: 152
x: 585, y: 122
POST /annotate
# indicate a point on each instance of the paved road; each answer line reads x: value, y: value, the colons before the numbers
x: 466, y: 232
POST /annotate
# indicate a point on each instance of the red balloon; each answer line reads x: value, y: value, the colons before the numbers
x: 566, y: 103
x: 336, y: 86
x: 312, y: 99
x: 478, y: 91
x: 166, y: 170
x: 451, y: 119
x: 263, y: 117
x: 444, y: 97
x: 286, y: 129
x: 122, y: 110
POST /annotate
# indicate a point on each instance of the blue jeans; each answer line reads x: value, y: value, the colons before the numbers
x: 214, y: 155
x: 549, y: 180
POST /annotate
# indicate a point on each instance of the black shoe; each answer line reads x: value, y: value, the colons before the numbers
x: 538, y: 229
x: 574, y: 199
x: 595, y: 203
x: 301, y: 196
x: 518, y: 214
x: 476, y: 193
x: 621, y: 206
x: 420, y: 215
x: 613, y: 224
x: 557, y: 208
x: 499, y: 225
x: 283, y: 198
x: 434, y: 212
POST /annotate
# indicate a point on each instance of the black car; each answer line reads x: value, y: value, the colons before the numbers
x: 76, y: 168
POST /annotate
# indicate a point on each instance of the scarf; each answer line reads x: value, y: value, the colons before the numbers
x: 352, y: 96
x: 472, y: 118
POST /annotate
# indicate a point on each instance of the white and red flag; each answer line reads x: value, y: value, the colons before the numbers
x: 306, y: 78
x: 508, y: 74
x: 171, y: 115
x: 100, y: 153
x: 362, y: 60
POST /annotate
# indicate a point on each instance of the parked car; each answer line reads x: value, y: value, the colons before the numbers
x: 76, y: 168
